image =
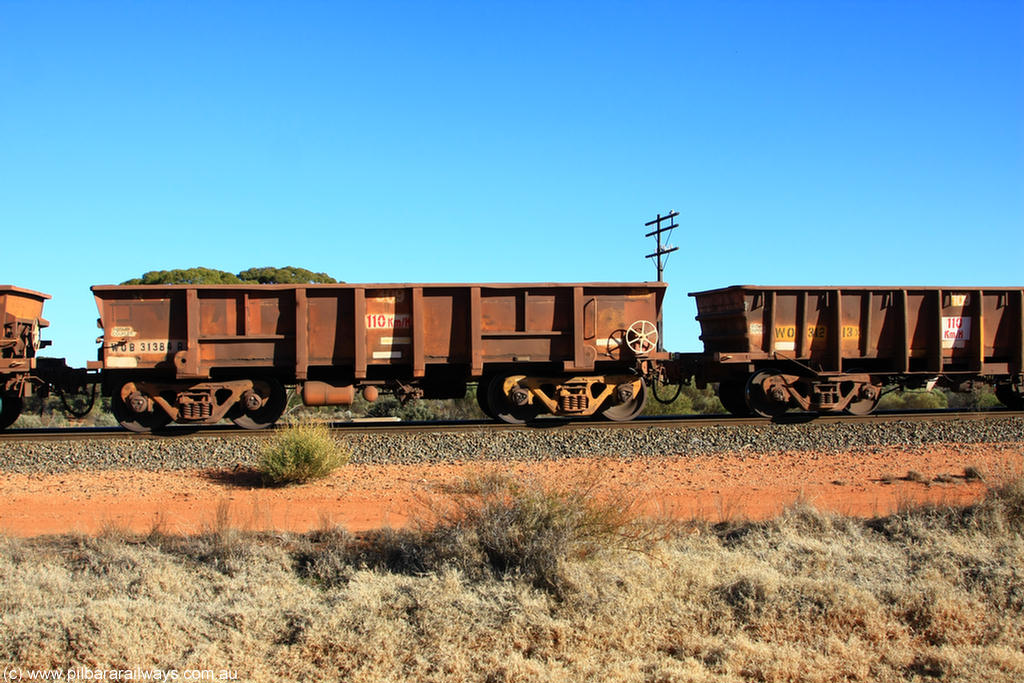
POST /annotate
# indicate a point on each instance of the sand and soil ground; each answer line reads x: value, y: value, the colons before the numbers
x: 898, y: 562
x: 865, y: 482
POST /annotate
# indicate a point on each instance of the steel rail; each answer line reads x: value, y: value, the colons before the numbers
x: 396, y: 427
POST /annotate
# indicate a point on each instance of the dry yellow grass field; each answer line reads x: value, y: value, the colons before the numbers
x: 517, y: 583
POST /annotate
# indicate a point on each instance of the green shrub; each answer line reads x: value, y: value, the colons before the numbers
x: 420, y: 410
x: 980, y: 397
x: 914, y: 399
x: 302, y: 452
x: 689, y: 401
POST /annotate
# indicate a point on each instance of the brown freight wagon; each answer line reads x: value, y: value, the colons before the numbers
x: 834, y: 348
x: 199, y: 353
x: 21, y: 314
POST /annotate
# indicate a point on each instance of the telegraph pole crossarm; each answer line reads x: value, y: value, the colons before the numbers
x: 660, y: 250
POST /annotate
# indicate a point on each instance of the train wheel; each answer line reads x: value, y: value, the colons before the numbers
x: 1009, y: 398
x: 862, y: 406
x: 482, y: 387
x: 142, y: 422
x: 866, y: 403
x: 260, y: 407
x: 503, y: 409
x: 624, y: 412
x: 733, y: 398
x: 764, y: 394
x: 10, y: 409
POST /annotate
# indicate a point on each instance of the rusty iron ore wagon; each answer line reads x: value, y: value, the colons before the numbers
x: 23, y: 372
x: 825, y: 349
x: 200, y: 353
x: 21, y: 314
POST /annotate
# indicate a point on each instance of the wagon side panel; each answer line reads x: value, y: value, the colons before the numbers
x: 143, y: 328
x: 330, y: 325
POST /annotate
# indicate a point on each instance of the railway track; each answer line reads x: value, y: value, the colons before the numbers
x: 395, y: 427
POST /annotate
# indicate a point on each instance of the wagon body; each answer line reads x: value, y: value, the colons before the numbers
x: 431, y: 338
x: 952, y: 334
x: 930, y: 331
x: 18, y: 303
x: 21, y: 318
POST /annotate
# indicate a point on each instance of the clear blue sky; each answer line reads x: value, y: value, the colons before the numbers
x: 804, y: 143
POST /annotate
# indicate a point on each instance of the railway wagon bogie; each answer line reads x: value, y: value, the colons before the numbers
x: 518, y: 398
x: 830, y: 349
x: 199, y: 354
x: 146, y: 405
x: 770, y: 392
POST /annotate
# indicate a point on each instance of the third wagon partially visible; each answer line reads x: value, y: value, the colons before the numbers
x: 834, y: 348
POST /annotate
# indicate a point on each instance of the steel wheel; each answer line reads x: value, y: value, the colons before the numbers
x: 137, y: 422
x: 863, y: 406
x: 1009, y: 398
x: 10, y: 409
x: 732, y: 394
x: 482, y: 388
x: 503, y: 409
x: 761, y: 401
x: 624, y: 412
x: 274, y: 398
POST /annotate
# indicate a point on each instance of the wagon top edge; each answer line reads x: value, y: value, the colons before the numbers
x: 859, y: 288
x: 383, y: 285
x: 11, y: 289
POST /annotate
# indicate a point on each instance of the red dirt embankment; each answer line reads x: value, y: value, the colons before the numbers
x: 866, y: 483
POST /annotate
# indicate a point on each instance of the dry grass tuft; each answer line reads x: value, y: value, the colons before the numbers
x: 972, y: 473
x: 531, y: 530
x: 492, y: 524
x: 914, y: 475
x: 301, y: 452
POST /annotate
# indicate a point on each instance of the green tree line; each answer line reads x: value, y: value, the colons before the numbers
x: 266, y: 275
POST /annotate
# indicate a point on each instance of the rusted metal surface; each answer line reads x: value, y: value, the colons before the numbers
x: 417, y: 339
x: 831, y: 348
x: 21, y: 319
